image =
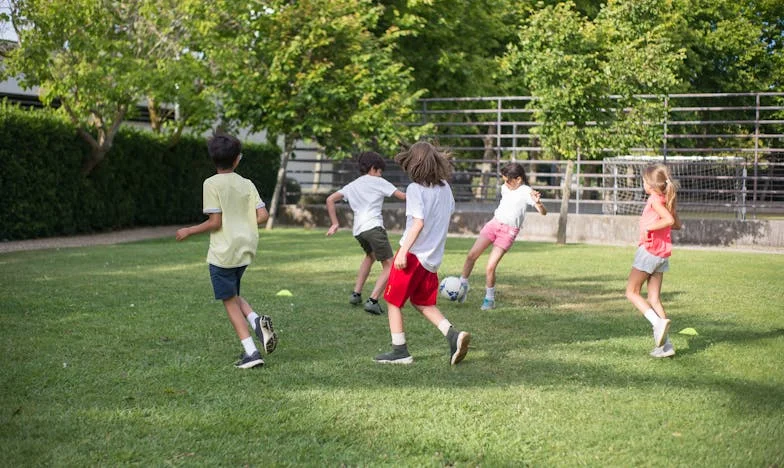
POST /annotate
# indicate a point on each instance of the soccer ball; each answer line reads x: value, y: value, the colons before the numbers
x: 450, y: 288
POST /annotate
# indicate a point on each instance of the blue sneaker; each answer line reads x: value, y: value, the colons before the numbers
x: 266, y: 334
x: 462, y: 293
x: 488, y: 304
x: 246, y: 362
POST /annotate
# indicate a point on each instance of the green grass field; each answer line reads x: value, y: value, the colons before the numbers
x: 118, y: 355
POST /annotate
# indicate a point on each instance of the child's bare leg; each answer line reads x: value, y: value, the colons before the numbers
x: 236, y: 317
x: 244, y: 306
x: 395, y: 318
x: 479, y: 246
x: 633, y: 288
x: 458, y: 340
x: 364, y: 272
x: 654, y: 293
x: 431, y: 313
x: 381, y: 282
x: 496, y: 254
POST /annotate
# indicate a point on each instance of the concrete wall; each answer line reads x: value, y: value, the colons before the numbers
x: 589, y: 229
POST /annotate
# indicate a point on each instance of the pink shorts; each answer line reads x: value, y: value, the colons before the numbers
x: 500, y: 234
x: 413, y: 282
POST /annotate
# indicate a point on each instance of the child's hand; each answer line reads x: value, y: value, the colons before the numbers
x: 182, y: 234
x: 535, y: 196
x: 400, y: 261
x: 333, y: 229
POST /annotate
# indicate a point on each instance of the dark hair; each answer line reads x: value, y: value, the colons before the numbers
x: 369, y: 160
x: 514, y: 170
x: 224, y: 149
x: 426, y: 164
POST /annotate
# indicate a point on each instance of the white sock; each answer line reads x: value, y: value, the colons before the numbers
x: 652, y: 316
x: 398, y: 339
x: 252, y: 319
x: 444, y: 326
x: 463, y: 280
x: 249, y: 346
x: 490, y: 293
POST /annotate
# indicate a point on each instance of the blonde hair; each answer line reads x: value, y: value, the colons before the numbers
x: 659, y: 179
x: 426, y: 164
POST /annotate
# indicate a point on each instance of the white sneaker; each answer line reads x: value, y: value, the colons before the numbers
x: 462, y: 293
x: 666, y: 350
x: 660, y: 332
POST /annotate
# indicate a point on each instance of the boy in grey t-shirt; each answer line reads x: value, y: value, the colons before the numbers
x: 365, y: 196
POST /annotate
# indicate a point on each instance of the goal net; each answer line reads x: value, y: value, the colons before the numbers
x: 709, y: 184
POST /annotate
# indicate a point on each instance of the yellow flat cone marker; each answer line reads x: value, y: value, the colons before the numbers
x: 284, y: 292
x: 689, y: 331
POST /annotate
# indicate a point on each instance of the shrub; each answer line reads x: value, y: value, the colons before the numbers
x: 141, y: 182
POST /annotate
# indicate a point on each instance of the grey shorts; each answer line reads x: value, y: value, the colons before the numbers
x: 650, y: 263
x: 375, y: 241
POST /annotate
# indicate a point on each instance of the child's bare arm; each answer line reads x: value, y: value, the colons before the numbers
x: 262, y: 215
x: 400, y: 261
x: 333, y: 216
x: 213, y: 223
x: 399, y: 195
x: 537, y: 198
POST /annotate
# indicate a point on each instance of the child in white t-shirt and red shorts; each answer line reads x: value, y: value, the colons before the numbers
x: 429, y: 208
x: 365, y: 196
x: 502, y: 230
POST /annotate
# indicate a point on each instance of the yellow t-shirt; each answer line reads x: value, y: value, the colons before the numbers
x: 236, y: 198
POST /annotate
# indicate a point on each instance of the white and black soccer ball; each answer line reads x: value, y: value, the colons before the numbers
x: 450, y: 288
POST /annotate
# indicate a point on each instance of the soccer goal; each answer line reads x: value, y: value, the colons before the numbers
x: 708, y: 184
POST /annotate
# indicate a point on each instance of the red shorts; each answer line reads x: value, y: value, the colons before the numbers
x: 414, y: 282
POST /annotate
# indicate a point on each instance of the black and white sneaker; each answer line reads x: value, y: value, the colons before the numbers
x: 266, y: 334
x: 458, y: 345
x: 398, y: 355
x: 246, y: 362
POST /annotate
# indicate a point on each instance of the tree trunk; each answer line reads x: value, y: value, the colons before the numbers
x: 101, y: 145
x: 288, y: 146
x: 566, y: 191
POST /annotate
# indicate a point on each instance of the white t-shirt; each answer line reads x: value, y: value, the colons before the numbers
x: 236, y: 198
x: 365, y: 196
x: 435, y: 206
x: 511, y: 209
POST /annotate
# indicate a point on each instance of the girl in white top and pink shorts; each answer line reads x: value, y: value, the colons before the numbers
x: 502, y: 230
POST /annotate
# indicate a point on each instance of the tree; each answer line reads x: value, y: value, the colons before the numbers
x: 733, y: 45
x: 99, y: 60
x: 585, y: 74
x: 312, y: 69
x: 453, y: 47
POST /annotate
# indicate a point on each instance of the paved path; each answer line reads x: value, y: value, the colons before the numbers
x: 136, y: 234
x: 115, y: 237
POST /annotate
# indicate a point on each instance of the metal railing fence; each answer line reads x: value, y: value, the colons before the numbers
x: 745, y: 131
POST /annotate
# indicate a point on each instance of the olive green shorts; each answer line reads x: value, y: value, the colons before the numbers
x: 375, y: 241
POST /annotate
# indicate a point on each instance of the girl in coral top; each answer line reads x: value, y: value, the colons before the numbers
x: 658, y: 218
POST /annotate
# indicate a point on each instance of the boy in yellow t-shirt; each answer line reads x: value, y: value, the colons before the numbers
x: 235, y: 210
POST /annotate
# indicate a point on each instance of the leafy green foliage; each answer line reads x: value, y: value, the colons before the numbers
x: 96, y: 61
x: 146, y: 182
x: 313, y: 70
x: 452, y: 47
x: 585, y: 73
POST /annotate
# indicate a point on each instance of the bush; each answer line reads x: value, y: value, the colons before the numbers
x: 141, y: 182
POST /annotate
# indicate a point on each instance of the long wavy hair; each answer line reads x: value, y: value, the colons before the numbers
x: 426, y: 164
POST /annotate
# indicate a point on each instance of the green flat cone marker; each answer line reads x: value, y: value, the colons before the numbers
x: 284, y: 292
x: 688, y: 331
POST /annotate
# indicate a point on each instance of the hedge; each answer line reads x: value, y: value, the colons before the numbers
x: 141, y: 182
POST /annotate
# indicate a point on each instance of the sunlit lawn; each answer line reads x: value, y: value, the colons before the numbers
x: 119, y: 355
